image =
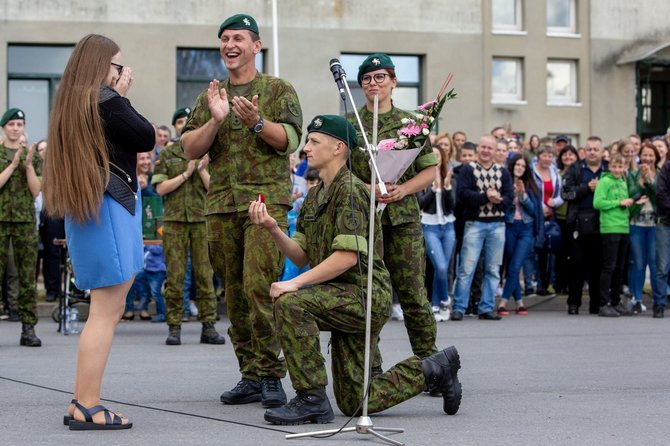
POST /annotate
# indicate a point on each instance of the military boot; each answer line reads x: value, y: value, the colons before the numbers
x: 209, y: 335
x: 174, y: 336
x: 304, y: 408
x: 28, y: 337
x: 441, y: 373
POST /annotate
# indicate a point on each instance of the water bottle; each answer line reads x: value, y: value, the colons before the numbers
x: 66, y: 320
x: 74, y: 320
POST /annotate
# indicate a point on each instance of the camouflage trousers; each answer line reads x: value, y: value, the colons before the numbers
x: 177, y: 237
x: 338, y: 309
x: 23, y: 238
x: 248, y: 260
x: 405, y: 259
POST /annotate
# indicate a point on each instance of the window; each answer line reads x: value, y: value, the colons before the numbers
x: 561, y: 17
x: 561, y: 82
x: 195, y: 70
x: 33, y: 74
x: 506, y: 15
x: 507, y: 80
x: 407, y: 69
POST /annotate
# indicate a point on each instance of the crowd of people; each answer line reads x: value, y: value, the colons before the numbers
x: 461, y: 229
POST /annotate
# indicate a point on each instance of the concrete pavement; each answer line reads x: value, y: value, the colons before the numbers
x: 542, y: 379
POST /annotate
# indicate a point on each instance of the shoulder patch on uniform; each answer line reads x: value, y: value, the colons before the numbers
x: 293, y: 108
x: 352, y: 220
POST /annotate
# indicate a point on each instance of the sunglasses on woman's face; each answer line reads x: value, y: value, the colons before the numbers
x: 119, y: 68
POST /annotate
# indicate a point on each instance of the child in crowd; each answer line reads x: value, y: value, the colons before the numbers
x: 612, y: 200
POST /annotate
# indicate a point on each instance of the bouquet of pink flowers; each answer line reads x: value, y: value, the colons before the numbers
x: 415, y: 131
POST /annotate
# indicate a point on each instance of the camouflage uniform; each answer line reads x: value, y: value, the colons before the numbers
x: 242, y: 165
x: 17, y: 225
x: 327, y: 223
x: 184, y: 226
x: 404, y: 253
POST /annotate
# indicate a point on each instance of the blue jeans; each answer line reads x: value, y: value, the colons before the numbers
x: 530, y: 271
x: 518, y: 244
x: 478, y: 237
x: 662, y: 265
x: 642, y: 254
x: 440, y: 241
x: 145, y: 286
x: 189, y: 283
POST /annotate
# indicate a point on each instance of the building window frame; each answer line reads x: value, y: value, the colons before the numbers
x: 506, y: 97
x: 505, y: 28
x: 569, y: 29
x: 571, y: 97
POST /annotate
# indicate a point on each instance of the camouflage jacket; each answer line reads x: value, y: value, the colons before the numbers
x: 187, y: 202
x: 17, y: 204
x: 242, y: 165
x: 407, y: 209
x: 327, y: 223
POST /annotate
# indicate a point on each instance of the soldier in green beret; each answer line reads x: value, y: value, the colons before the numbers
x: 249, y: 124
x: 331, y: 237
x: 184, y: 185
x: 404, y: 253
x: 19, y: 185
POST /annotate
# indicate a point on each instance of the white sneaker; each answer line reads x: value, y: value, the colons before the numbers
x: 643, y: 307
x: 445, y: 303
x: 445, y: 312
x: 192, y: 308
x: 396, y: 313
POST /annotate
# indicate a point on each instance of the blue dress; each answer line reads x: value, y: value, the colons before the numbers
x: 108, y: 252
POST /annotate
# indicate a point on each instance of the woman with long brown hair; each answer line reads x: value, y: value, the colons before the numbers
x: 90, y: 180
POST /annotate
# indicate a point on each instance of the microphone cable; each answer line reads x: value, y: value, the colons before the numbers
x: 157, y: 409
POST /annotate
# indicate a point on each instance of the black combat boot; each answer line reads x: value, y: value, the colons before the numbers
x: 28, y: 337
x: 209, y: 335
x: 174, y: 336
x: 272, y: 392
x: 441, y: 373
x: 304, y: 408
x: 246, y: 391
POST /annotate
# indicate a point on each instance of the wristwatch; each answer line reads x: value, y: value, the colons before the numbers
x: 258, y: 127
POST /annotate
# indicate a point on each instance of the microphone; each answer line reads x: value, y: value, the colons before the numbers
x: 339, y: 75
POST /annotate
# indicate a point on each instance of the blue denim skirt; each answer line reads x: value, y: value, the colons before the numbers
x: 107, y: 252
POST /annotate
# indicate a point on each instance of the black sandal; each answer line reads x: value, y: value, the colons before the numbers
x: 112, y: 420
x: 67, y: 417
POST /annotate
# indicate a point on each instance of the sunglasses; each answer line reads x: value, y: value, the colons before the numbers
x: 119, y: 68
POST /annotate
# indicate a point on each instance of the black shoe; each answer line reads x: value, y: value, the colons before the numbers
x: 573, y: 309
x: 543, y: 292
x: 659, y: 312
x: 637, y: 307
x: 209, y: 335
x: 272, y: 392
x: 441, y: 373
x: 304, y: 408
x: 608, y: 311
x: 13, y: 316
x: 622, y: 309
x: 51, y: 297
x: 456, y: 316
x: 490, y: 316
x: 28, y: 336
x: 528, y: 292
x: 174, y: 335
x: 245, y: 391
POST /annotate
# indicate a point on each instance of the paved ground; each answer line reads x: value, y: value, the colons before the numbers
x: 542, y: 379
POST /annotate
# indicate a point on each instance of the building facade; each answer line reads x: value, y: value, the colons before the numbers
x: 546, y: 67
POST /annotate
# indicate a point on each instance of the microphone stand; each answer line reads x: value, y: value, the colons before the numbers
x: 364, y: 424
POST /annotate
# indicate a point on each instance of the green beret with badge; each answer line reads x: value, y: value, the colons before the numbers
x: 374, y: 62
x: 239, y: 21
x: 180, y: 113
x: 336, y: 126
x: 11, y: 114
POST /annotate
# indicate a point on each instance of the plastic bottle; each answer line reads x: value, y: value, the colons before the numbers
x: 74, y: 320
x: 66, y: 320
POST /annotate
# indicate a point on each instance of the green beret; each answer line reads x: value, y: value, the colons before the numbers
x: 180, y: 113
x: 374, y: 62
x: 239, y: 21
x: 12, y: 113
x: 335, y: 126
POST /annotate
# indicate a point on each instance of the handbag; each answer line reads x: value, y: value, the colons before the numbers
x: 552, y: 235
x: 119, y: 187
x: 588, y: 222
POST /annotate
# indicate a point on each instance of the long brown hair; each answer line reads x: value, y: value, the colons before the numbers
x: 73, y: 184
